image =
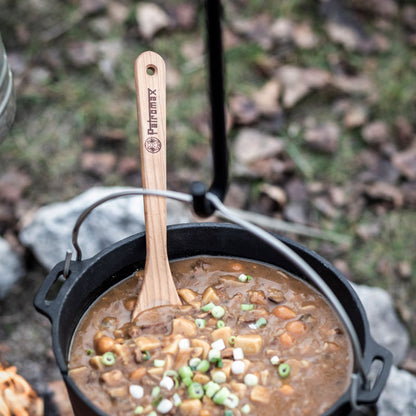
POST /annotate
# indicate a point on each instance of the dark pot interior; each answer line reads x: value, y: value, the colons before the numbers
x: 90, y: 278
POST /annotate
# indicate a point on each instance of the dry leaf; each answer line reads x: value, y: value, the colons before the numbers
x: 324, y: 138
x: 151, y: 19
x: 304, y: 37
x: 99, y: 164
x: 243, y: 109
x: 251, y: 145
x: 376, y: 132
x: 267, y: 98
x: 274, y: 192
x: 405, y: 162
x: 382, y: 191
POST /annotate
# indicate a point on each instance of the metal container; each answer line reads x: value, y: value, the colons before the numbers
x: 7, y: 94
x: 88, y: 279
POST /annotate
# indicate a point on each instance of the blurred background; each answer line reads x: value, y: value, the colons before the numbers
x: 321, y: 101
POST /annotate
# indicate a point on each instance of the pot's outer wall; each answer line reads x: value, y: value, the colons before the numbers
x: 89, y: 279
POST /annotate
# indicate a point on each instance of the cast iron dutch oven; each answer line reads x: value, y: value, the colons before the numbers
x: 89, y: 279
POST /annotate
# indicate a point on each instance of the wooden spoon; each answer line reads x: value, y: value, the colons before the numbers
x: 158, y: 285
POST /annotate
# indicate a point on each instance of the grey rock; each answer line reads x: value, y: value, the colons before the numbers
x: 11, y: 267
x: 50, y: 232
x: 399, y: 396
x: 385, y: 325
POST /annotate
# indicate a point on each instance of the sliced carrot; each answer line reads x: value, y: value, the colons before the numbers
x: 284, y: 312
x: 286, y: 339
x: 286, y: 389
x: 296, y: 327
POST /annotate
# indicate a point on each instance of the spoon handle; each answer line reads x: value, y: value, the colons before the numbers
x: 150, y: 76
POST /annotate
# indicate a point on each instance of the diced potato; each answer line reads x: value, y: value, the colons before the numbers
x: 95, y: 362
x: 226, y: 368
x: 190, y: 407
x: 264, y: 377
x: 156, y: 372
x: 79, y: 375
x: 257, y: 297
x: 210, y: 295
x: 240, y: 389
x: 260, y: 394
x: 117, y: 392
x: 147, y: 343
x: 112, y: 378
x: 197, y: 352
x: 188, y: 295
x: 201, y: 378
x: 204, y: 412
x: 138, y: 373
x: 123, y: 352
x: 250, y: 343
x: 202, y: 344
x: 173, y: 345
x: 222, y: 333
x: 182, y: 358
x: 184, y: 327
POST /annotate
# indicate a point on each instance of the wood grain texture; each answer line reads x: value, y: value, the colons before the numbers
x: 150, y: 76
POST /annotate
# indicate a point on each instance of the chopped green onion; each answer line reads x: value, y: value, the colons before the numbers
x: 219, y: 377
x: 283, y: 370
x: 247, y: 306
x: 152, y: 413
x: 186, y: 372
x: 217, y: 312
x: 176, y: 399
x: 238, y: 353
x: 200, y: 323
x: 170, y: 373
x: 242, y: 277
x: 187, y: 381
x: 145, y: 355
x: 108, y: 358
x: 220, y: 324
x: 232, y: 401
x: 195, y: 391
x: 231, y: 340
x: 219, y: 363
x: 249, y: 277
x: 211, y: 388
x: 164, y: 406
x: 221, y: 396
x: 159, y: 363
x: 261, y: 322
x: 138, y: 410
x: 167, y: 383
x: 157, y: 400
x: 228, y: 412
x: 203, y: 366
x: 251, y: 380
x: 246, y: 409
x: 214, y: 356
x: 136, y: 391
x: 275, y: 360
x: 219, y: 345
x: 208, y: 307
x: 155, y: 391
x: 193, y: 363
x: 90, y: 352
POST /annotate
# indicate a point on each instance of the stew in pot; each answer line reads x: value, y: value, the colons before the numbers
x: 248, y: 339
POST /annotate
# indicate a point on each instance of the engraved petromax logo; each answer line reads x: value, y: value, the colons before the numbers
x: 152, y: 143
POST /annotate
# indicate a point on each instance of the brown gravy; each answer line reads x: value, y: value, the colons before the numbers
x: 294, y: 357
